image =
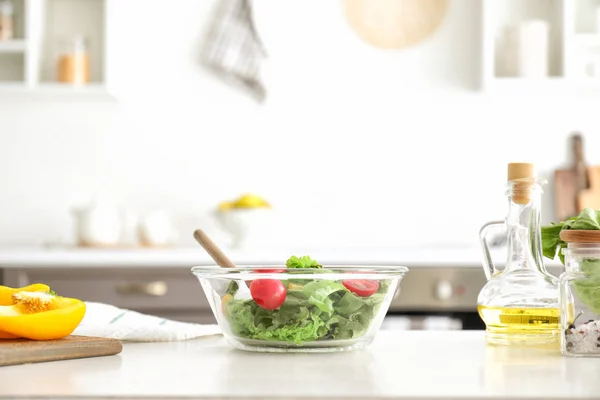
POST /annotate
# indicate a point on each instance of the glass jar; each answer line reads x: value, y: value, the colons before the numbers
x: 580, y: 298
x: 74, y: 62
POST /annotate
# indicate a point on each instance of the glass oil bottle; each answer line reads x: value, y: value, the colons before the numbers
x: 519, y: 303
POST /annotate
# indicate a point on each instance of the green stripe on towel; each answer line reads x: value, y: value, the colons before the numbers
x: 118, y: 317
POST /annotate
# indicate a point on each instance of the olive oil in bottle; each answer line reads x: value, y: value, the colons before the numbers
x: 521, y: 321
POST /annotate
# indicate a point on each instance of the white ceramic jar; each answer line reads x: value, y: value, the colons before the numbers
x: 98, y: 225
x: 527, y: 49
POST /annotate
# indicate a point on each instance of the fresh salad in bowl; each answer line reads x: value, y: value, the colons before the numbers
x: 302, y: 304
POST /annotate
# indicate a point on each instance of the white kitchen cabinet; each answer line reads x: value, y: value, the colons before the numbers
x: 573, y: 60
x: 29, y: 63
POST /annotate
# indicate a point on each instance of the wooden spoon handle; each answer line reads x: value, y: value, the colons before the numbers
x: 212, y: 249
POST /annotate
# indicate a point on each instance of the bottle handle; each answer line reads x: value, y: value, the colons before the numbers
x: 488, y: 263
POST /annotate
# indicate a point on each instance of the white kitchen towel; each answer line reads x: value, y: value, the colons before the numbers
x: 105, y: 320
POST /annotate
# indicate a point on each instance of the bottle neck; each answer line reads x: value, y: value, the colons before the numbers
x: 523, y: 223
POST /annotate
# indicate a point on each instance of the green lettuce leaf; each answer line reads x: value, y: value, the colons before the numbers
x: 346, y: 328
x: 349, y: 304
x: 591, y: 268
x: 232, y: 288
x: 302, y: 262
x: 587, y: 220
x: 288, y: 323
x: 551, y: 239
x: 318, y: 292
x: 588, y: 289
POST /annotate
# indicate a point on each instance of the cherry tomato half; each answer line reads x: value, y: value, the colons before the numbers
x: 268, y: 293
x: 362, y: 287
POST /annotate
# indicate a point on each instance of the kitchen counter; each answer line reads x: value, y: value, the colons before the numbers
x: 398, y: 365
x: 438, y: 256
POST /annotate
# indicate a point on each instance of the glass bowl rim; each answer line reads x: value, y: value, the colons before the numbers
x: 327, y: 270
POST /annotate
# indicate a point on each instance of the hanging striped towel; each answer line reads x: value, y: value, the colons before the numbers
x: 104, y: 320
x: 233, y: 49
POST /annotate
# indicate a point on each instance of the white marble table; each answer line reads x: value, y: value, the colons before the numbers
x: 399, y: 365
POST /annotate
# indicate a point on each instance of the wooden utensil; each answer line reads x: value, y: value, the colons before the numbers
x: 569, y: 182
x: 212, y: 249
x: 590, y: 197
x: 24, y: 351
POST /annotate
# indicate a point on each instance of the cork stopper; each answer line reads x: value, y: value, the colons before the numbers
x: 520, y: 171
x: 522, y: 174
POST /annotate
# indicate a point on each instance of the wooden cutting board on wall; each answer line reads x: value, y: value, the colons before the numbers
x: 570, y: 182
x: 590, y: 197
x: 24, y: 351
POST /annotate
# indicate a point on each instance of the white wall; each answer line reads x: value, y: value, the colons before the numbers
x: 354, y: 146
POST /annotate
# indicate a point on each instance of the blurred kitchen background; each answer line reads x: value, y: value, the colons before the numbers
x: 361, y: 131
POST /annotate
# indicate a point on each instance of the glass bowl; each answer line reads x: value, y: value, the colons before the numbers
x: 277, y: 309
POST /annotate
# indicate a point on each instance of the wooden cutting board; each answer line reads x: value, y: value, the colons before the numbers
x: 591, y: 197
x: 24, y: 351
x: 569, y: 182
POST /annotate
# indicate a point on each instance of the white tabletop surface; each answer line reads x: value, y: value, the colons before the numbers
x: 430, y: 256
x: 398, y: 365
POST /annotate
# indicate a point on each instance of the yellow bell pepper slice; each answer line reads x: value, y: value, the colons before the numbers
x: 224, y: 303
x: 6, y: 335
x: 294, y: 286
x: 41, y: 316
x: 7, y: 292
